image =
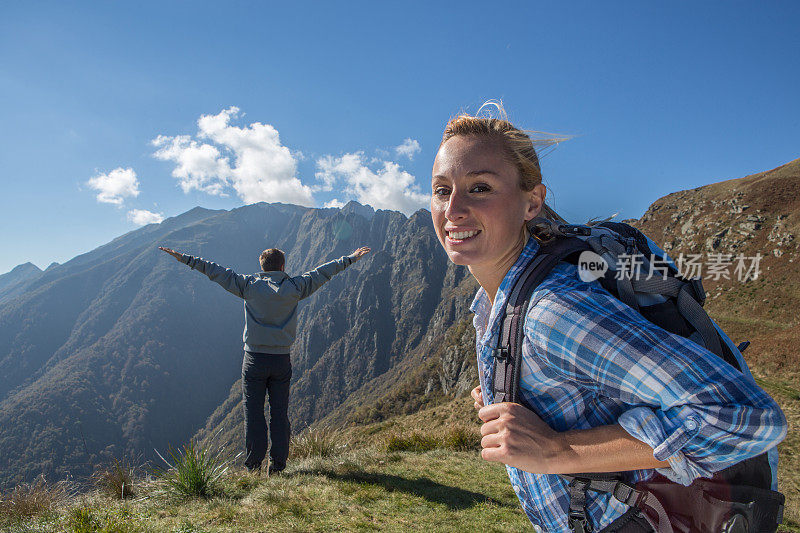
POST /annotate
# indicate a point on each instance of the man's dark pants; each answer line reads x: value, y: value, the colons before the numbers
x: 264, y: 373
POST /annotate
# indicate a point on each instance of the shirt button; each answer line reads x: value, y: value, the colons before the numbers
x: 690, y: 424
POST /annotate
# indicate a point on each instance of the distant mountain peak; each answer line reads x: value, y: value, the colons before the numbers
x: 198, y: 209
x: 17, y: 277
x: 365, y: 211
x: 25, y: 267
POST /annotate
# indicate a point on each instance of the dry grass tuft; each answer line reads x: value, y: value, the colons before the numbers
x: 461, y: 438
x: 417, y: 441
x: 33, y: 499
x: 83, y: 520
x: 454, y: 437
x: 321, y: 442
x: 115, y: 479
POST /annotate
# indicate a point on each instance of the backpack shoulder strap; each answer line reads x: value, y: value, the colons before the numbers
x: 508, y: 353
x: 508, y: 358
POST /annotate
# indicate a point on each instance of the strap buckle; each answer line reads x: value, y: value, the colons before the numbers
x: 575, y: 229
x: 628, y: 495
x: 546, y: 230
x: 501, y: 354
x: 578, y: 522
x: 576, y: 517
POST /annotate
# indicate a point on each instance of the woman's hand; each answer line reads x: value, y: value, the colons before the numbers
x: 478, y: 396
x: 516, y: 436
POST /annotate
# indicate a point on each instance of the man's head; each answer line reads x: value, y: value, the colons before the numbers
x: 271, y: 259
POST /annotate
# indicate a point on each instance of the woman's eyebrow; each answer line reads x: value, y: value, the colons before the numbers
x: 479, y: 172
x: 471, y: 173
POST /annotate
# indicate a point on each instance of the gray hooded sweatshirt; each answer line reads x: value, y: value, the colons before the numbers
x: 270, y: 299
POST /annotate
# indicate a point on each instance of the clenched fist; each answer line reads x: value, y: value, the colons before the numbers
x: 516, y: 436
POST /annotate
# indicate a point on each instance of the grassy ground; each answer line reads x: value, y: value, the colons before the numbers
x: 367, y: 490
x: 349, y: 481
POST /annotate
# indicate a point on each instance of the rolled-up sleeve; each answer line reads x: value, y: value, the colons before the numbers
x: 696, y: 411
x: 667, y: 441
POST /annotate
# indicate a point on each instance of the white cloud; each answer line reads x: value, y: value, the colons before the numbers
x: 142, y: 217
x: 408, y: 148
x: 251, y: 160
x: 384, y: 187
x: 198, y: 166
x: 334, y: 203
x: 114, y: 187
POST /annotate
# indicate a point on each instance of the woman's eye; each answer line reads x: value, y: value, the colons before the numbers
x: 480, y: 188
x: 441, y: 191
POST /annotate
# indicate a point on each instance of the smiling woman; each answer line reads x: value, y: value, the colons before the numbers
x: 486, y: 171
x: 601, y: 389
x: 477, y: 207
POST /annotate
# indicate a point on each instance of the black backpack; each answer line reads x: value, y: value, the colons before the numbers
x: 736, y: 499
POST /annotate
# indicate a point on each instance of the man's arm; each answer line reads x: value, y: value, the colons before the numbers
x: 313, y: 280
x: 225, y: 277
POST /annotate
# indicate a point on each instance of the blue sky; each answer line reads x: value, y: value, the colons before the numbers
x: 657, y: 96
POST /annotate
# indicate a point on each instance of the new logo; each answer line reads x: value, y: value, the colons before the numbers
x: 591, y: 266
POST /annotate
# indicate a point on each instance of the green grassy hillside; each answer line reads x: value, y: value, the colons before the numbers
x: 361, y: 490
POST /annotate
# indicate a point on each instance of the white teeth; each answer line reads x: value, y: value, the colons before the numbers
x: 460, y: 235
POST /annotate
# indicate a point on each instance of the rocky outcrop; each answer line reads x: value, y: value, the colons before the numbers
x: 745, y: 216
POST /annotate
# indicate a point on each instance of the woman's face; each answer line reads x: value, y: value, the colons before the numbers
x: 477, y: 206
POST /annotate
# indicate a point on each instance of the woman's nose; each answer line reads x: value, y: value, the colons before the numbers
x: 457, y: 207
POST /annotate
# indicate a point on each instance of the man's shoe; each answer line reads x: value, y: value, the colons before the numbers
x: 275, y: 471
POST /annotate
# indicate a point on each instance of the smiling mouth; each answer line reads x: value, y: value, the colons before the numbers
x: 457, y: 237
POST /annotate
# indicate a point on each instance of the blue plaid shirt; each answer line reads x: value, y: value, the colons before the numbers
x: 590, y: 360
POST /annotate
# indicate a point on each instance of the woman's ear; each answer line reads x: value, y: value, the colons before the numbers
x: 536, y: 198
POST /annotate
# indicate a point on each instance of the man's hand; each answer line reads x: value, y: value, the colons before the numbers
x: 170, y: 251
x: 478, y: 396
x: 516, y: 436
x: 364, y: 250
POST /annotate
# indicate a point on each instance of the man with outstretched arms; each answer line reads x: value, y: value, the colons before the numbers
x: 270, y: 312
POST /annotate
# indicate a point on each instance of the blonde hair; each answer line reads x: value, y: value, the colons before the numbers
x: 518, y: 146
